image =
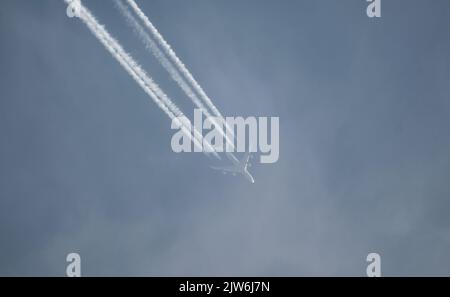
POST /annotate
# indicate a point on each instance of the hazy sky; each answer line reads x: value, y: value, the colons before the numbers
x: 364, y: 107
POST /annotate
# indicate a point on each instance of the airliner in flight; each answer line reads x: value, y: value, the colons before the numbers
x: 238, y: 167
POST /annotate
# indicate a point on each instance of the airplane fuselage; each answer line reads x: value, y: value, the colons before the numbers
x: 237, y: 168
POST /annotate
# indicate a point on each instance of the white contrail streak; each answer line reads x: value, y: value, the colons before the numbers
x: 167, y: 64
x: 177, y: 62
x: 135, y: 71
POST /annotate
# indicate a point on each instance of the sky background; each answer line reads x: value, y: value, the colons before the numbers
x: 364, y: 105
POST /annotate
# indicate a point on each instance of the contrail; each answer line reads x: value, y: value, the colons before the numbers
x: 174, y: 58
x: 136, y: 72
x: 168, y: 65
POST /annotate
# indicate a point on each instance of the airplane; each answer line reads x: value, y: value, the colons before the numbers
x: 238, y: 167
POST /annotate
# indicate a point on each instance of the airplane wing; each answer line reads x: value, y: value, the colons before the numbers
x: 233, y: 169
